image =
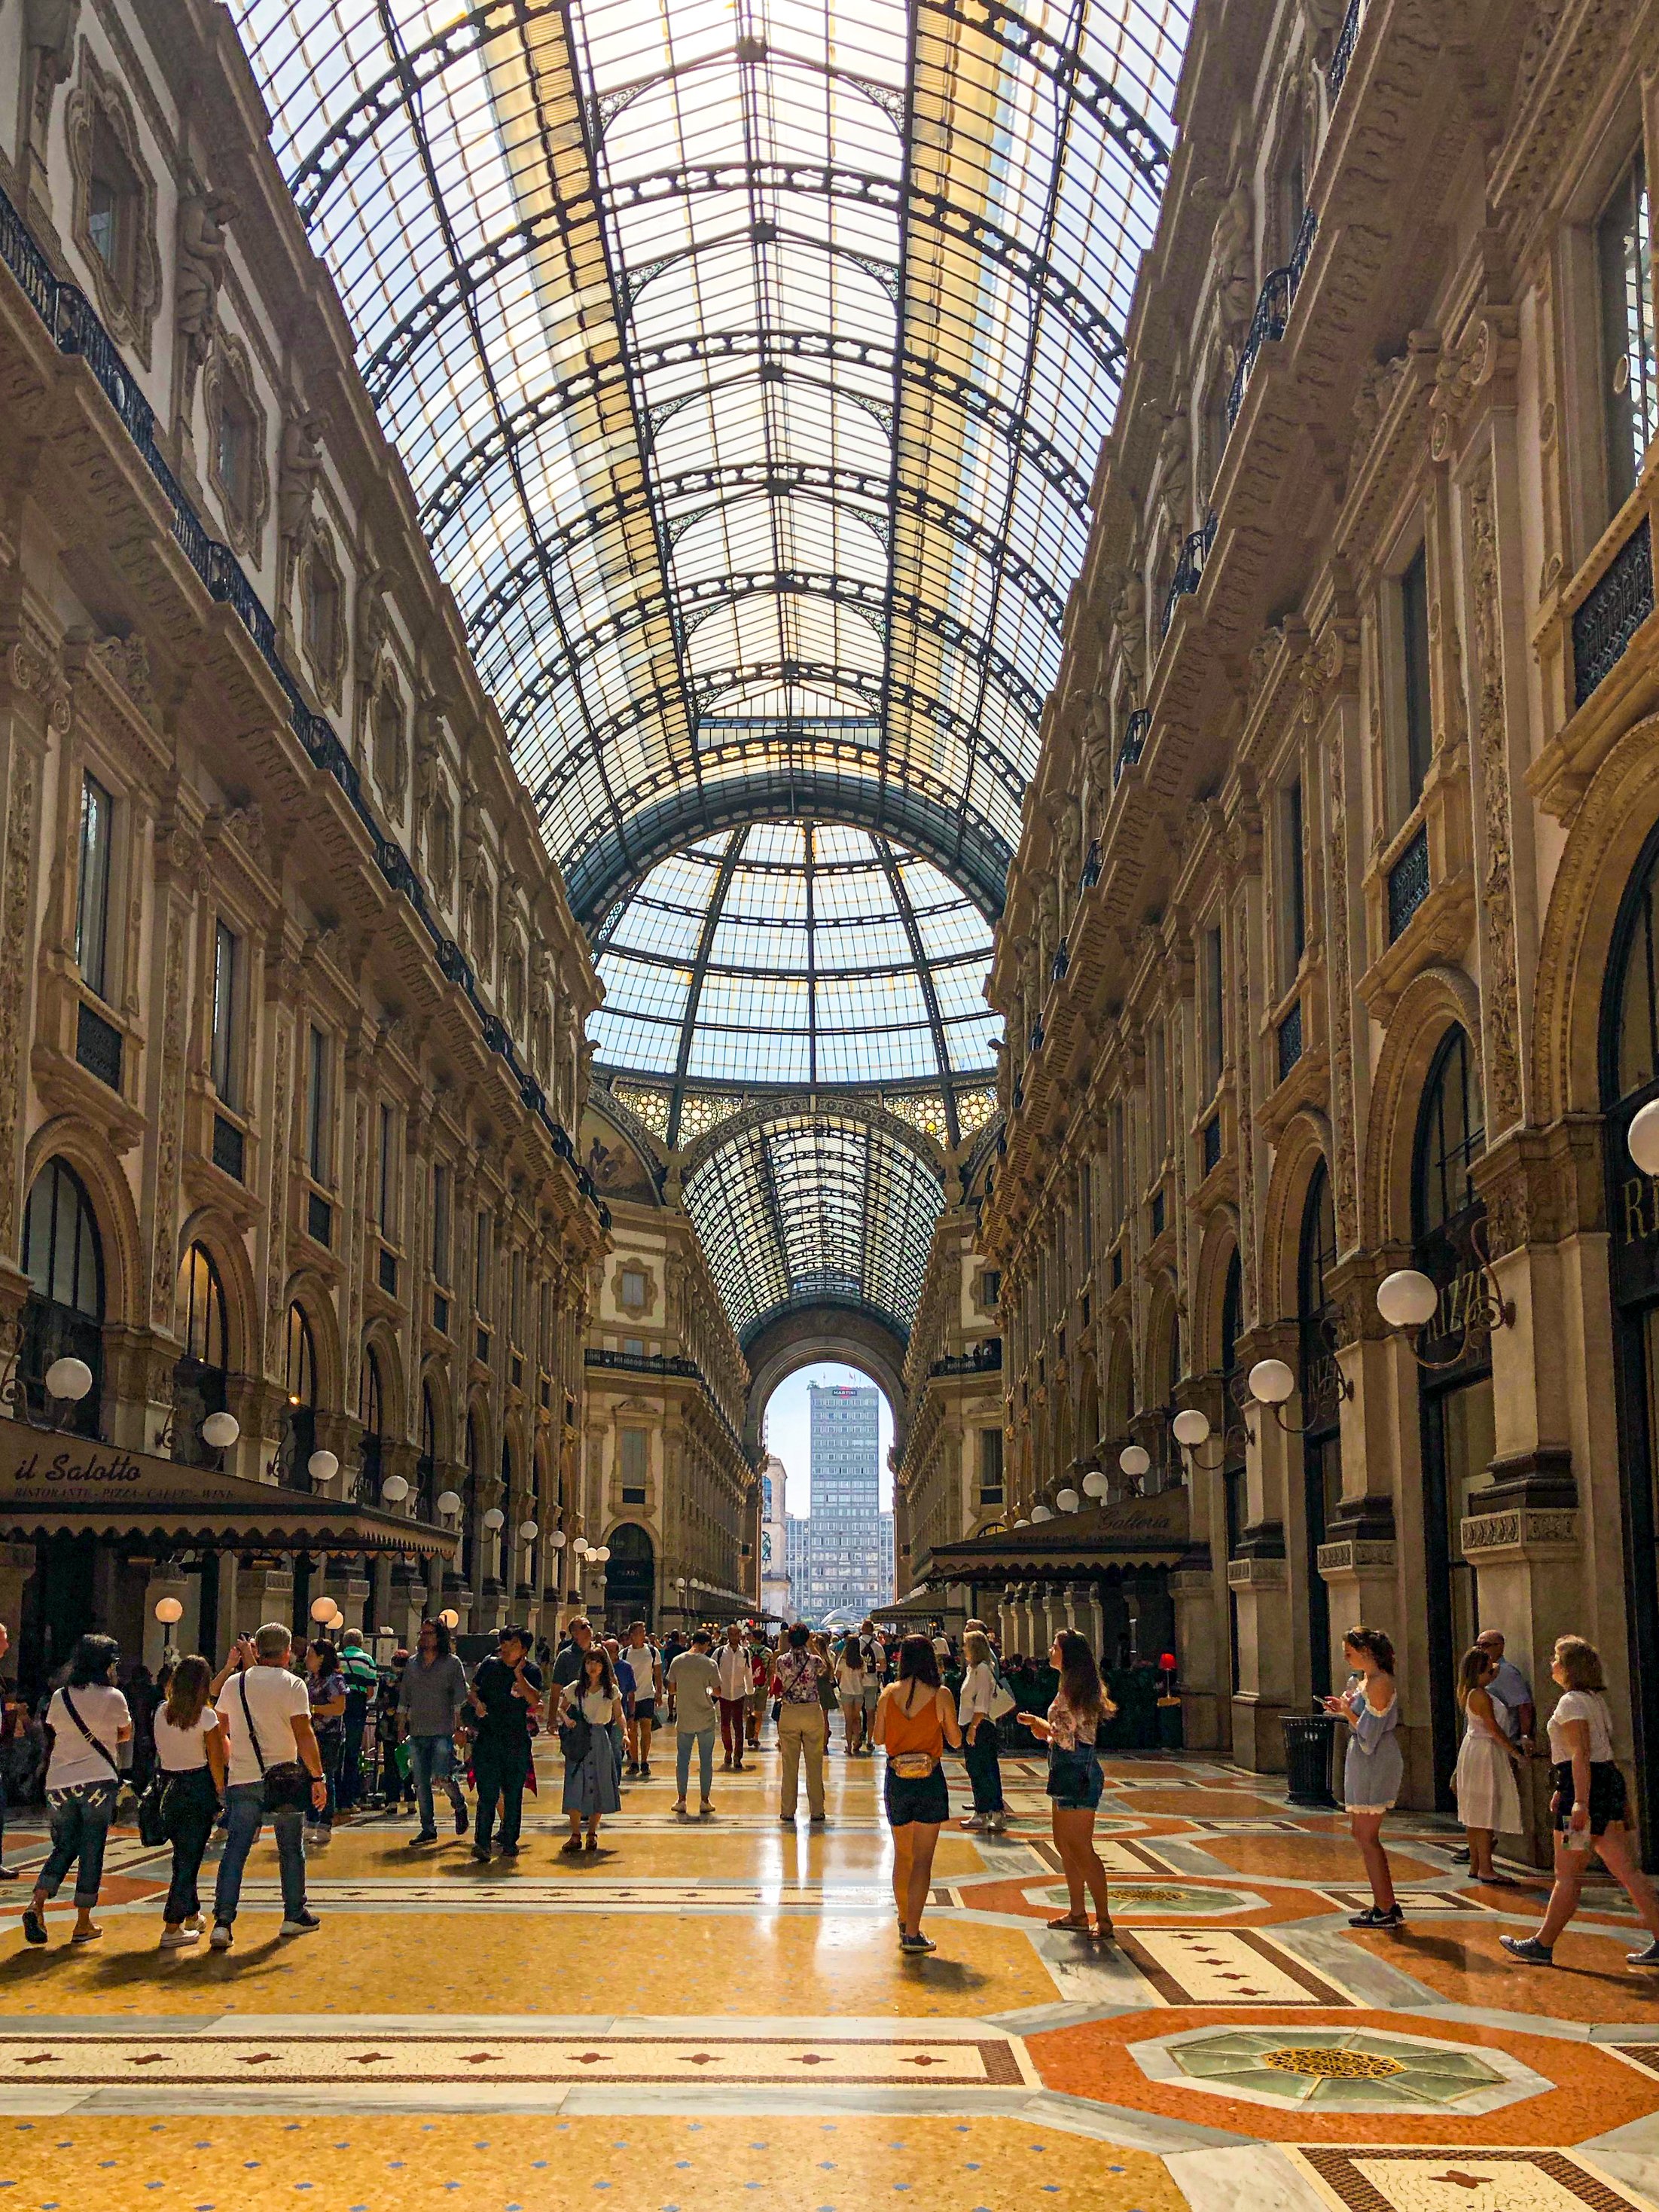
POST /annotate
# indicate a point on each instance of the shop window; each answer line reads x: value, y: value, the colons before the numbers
x: 1232, y: 1457
x: 93, y: 900
x: 63, y: 1315
x: 1624, y: 255
x: 1451, y: 1136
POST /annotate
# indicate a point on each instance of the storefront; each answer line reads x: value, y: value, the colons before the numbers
x: 1322, y: 1403
x: 92, y: 1535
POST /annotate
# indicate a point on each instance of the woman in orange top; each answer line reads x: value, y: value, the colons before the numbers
x: 915, y: 1719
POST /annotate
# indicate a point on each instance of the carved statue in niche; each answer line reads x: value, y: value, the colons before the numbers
x: 440, y: 847
x: 300, y: 465
x: 1234, y: 251
x: 1129, y: 620
x: 390, y: 745
x: 1098, y: 738
x: 204, y: 221
x: 1175, y: 470
x: 48, y: 28
x: 1068, y: 858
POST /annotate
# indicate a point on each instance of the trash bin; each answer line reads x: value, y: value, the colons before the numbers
x: 1308, y: 1759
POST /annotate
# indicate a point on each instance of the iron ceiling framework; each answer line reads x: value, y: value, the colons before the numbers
x: 748, y: 360
x: 717, y: 338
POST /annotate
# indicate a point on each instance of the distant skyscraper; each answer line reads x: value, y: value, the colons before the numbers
x: 843, y: 1561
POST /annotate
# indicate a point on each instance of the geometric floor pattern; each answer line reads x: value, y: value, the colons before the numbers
x: 715, y: 2014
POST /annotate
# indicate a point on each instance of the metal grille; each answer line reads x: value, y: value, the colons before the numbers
x: 1408, y: 883
x: 1619, y: 603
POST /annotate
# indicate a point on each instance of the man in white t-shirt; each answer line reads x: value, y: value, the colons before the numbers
x: 266, y: 1711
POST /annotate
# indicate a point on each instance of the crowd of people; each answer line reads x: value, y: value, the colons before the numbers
x: 301, y: 1733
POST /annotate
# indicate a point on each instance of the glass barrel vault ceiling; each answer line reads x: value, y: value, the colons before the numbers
x: 750, y: 359
x: 795, y: 953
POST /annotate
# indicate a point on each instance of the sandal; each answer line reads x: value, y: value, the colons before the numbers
x: 1105, y: 1932
x: 87, y: 1935
x: 1076, y: 1923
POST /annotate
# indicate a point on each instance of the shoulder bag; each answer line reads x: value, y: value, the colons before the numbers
x: 576, y: 1735
x: 287, y: 1785
x: 102, y: 1749
x: 1002, y: 1697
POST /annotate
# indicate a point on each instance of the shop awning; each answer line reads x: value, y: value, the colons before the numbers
x: 54, y: 1485
x: 1145, y: 1532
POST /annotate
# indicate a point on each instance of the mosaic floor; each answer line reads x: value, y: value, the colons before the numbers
x: 702, y: 2016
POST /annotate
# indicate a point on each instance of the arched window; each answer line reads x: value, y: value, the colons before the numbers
x: 370, y: 1412
x: 299, y: 1439
x: 469, y: 1504
x: 631, y: 1578
x: 201, y: 1376
x: 1321, y: 1440
x: 63, y: 1316
x: 1452, y: 1135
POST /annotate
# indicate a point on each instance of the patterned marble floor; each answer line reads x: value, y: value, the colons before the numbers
x: 705, y: 2015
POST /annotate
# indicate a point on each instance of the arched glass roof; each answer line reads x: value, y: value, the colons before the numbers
x: 796, y: 953
x: 815, y: 1209
x: 750, y: 360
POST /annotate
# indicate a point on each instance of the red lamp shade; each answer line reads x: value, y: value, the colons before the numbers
x: 1167, y: 1662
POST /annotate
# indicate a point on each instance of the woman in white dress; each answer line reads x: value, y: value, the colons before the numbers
x: 1488, y: 1803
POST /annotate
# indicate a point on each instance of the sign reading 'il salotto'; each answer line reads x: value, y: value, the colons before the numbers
x: 90, y: 1467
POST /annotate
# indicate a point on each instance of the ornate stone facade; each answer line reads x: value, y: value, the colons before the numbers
x: 1371, y: 775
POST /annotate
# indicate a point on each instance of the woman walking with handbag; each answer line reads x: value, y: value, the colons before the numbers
x: 589, y: 1708
x: 193, y: 1751
x: 982, y: 1703
x: 1075, y: 1781
x: 914, y: 1721
x: 88, y: 1721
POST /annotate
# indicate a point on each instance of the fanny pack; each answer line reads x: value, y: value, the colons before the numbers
x: 287, y: 1785
x: 913, y: 1765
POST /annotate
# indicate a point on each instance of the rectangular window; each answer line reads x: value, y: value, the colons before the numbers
x: 1414, y: 669
x: 440, y: 1224
x: 516, y: 1317
x: 226, y: 981
x: 990, y: 1467
x: 317, y: 1107
x: 386, y: 1215
x: 1294, y: 886
x: 91, y: 912
x: 1212, y: 1011
x: 1624, y: 255
x: 634, y: 1444
x: 633, y: 1289
x: 480, y: 1264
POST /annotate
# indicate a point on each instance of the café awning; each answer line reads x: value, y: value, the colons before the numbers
x: 54, y: 1484
x: 1134, y: 1532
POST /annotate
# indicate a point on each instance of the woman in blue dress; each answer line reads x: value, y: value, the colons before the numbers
x: 1374, y: 1769
x: 590, y: 1778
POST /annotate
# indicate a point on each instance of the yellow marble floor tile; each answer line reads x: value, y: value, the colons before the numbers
x: 417, y: 1963
x: 677, y: 1853
x: 512, y: 2163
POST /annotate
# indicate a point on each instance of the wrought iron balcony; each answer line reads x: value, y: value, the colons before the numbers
x: 1059, y: 963
x: 985, y: 1358
x: 658, y: 1362
x: 1134, y: 743
x: 1273, y: 310
x: 1619, y: 603
x: 1290, y: 1040
x: 1092, y: 866
x: 1195, y: 551
x: 1408, y: 883
x: 75, y: 329
x: 1345, y: 45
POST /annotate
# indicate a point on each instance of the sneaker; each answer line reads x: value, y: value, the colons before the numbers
x: 996, y: 1824
x: 317, y: 1837
x: 645, y: 1770
x: 1375, y: 1917
x: 304, y: 1924
x: 509, y: 1850
x: 193, y: 1925
x: 9, y: 1873
x: 460, y: 1820
x: 632, y: 1766
x: 481, y: 1853
x: 177, y: 1939
x: 679, y: 1806
x: 1648, y: 1958
x: 425, y: 1836
x: 1530, y: 1951
x: 34, y: 1925
x: 974, y: 1820
x: 222, y: 1936
x: 916, y: 1943
x: 705, y: 1809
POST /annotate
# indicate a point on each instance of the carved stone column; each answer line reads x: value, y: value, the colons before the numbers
x: 1192, y: 1594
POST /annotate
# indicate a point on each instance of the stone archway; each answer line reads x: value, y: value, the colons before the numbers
x: 809, y: 1335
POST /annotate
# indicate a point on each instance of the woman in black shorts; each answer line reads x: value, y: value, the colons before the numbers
x: 1589, y: 1807
x: 915, y: 1719
x: 1075, y: 1780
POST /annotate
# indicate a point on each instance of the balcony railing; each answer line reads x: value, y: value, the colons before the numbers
x: 660, y: 1363
x: 1195, y: 551
x: 1619, y: 603
x: 69, y: 316
x: 1092, y: 866
x: 1273, y: 310
x: 1408, y: 883
x: 985, y: 1358
x: 1345, y: 45
x: 1134, y: 743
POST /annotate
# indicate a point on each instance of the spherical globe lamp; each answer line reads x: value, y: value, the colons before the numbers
x: 220, y: 1431
x: 449, y: 1617
x: 1271, y: 1382
x: 1067, y: 1499
x: 1042, y: 1513
x: 1643, y: 1138
x: 449, y: 1501
x: 1191, y: 1427
x: 579, y: 1546
x: 528, y: 1532
x: 494, y: 1519
x: 322, y: 1466
x: 1135, y: 1460
x: 68, y: 1379
x: 603, y: 1553
x: 168, y: 1609
x: 1407, y: 1298
x: 394, y: 1489
x: 1094, y: 1484
x: 556, y: 1538
x: 322, y: 1608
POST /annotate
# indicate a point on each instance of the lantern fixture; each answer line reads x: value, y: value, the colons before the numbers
x: 1094, y: 1484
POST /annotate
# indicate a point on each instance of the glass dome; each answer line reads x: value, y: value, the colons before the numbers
x: 790, y: 952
